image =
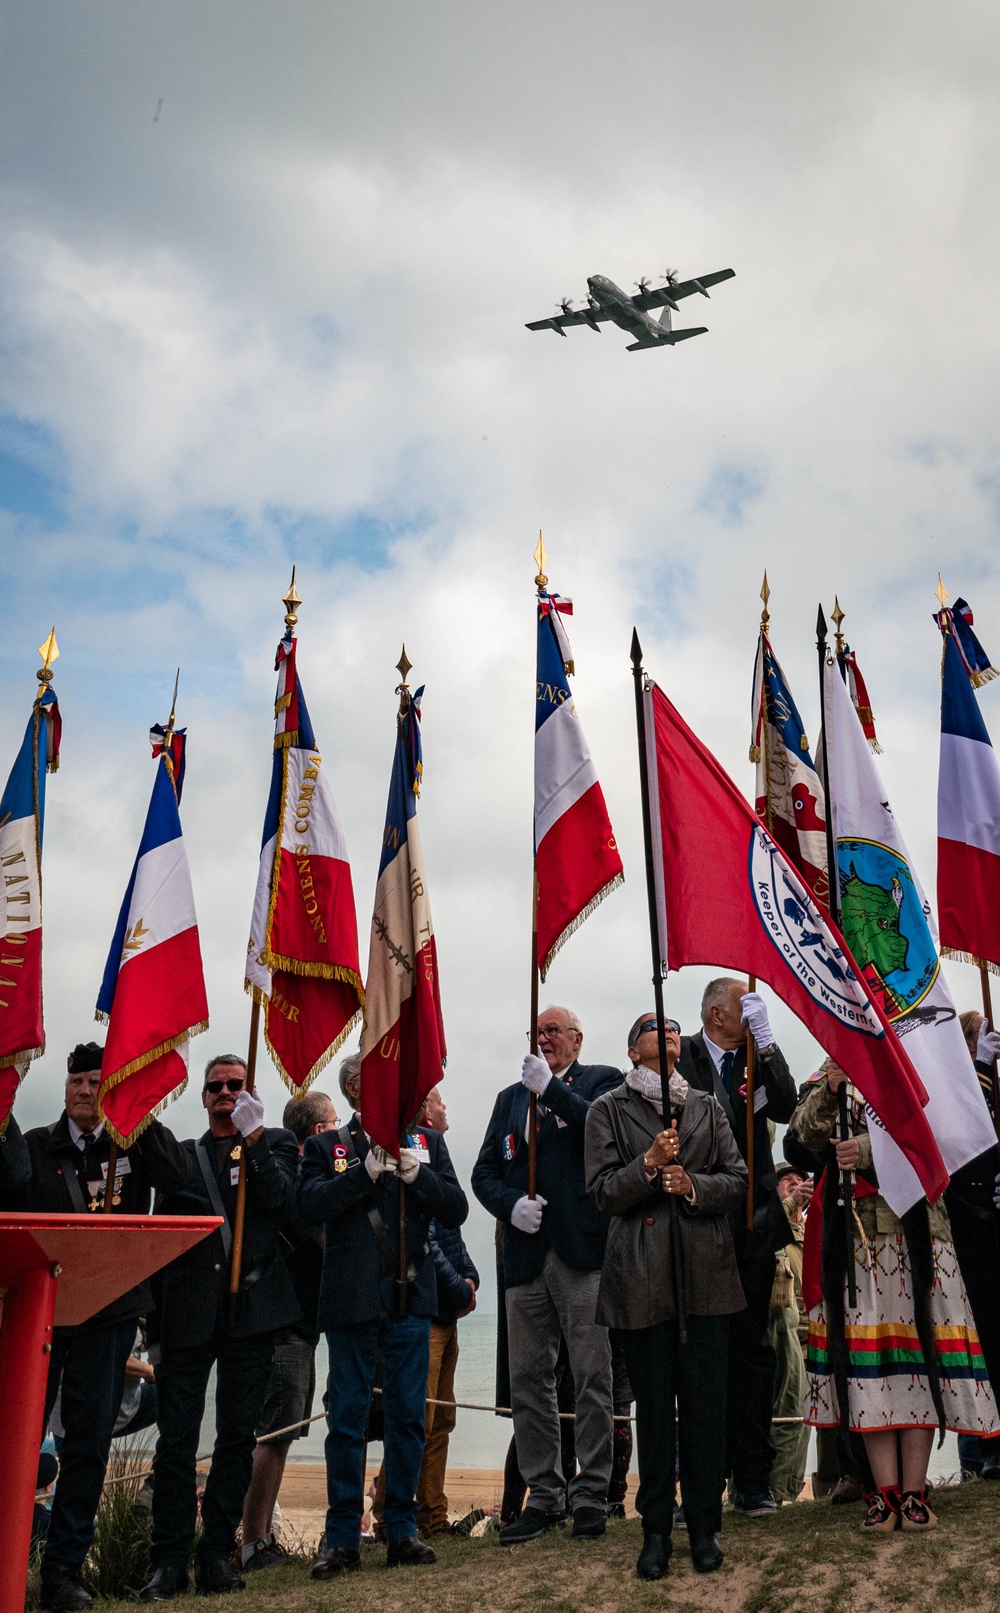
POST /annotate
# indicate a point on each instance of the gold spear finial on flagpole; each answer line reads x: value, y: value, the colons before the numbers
x: 291, y: 602
x: 49, y: 652
x: 765, y: 594
x: 403, y: 666
x: 541, y: 561
x: 838, y: 616
x: 942, y: 592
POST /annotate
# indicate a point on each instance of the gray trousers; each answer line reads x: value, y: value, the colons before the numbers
x: 560, y: 1301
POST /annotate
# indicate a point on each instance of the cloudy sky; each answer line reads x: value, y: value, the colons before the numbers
x: 264, y: 273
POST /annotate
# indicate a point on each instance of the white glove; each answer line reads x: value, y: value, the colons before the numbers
x: 988, y: 1045
x: 535, y: 1074
x: 248, y: 1113
x: 527, y: 1214
x: 754, y: 1017
x: 377, y: 1161
x: 409, y: 1164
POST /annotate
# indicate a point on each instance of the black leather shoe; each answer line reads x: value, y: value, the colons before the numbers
x: 409, y: 1553
x: 170, y: 1580
x: 532, y: 1523
x: 755, y: 1503
x: 216, y: 1576
x: 336, y: 1560
x: 62, y: 1591
x: 991, y: 1466
x: 589, y: 1523
x: 654, y: 1558
x: 706, y: 1553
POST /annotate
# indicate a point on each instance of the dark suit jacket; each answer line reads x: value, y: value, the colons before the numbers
x: 15, y: 1164
x: 194, y: 1288
x: 571, y: 1223
x: 455, y: 1272
x: 355, y: 1285
x: 773, y: 1078
x: 156, y: 1162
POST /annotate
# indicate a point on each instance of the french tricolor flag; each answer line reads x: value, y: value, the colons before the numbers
x: 968, y: 822
x: 402, y: 1041
x: 153, y: 993
x: 22, y: 816
x: 576, y: 856
x: 302, y: 959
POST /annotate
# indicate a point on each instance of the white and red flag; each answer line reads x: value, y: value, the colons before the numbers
x: 402, y: 1041
x: 968, y: 881
x: 153, y: 996
x: 302, y: 959
x: 576, y: 855
x: 22, y: 819
x: 728, y: 896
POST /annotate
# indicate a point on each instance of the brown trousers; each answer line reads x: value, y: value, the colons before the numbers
x: 432, y: 1518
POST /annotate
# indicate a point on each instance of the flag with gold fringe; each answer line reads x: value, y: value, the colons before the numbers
x: 152, y: 997
x: 302, y: 960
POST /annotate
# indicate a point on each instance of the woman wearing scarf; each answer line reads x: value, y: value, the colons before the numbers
x: 669, y: 1283
x: 907, y: 1360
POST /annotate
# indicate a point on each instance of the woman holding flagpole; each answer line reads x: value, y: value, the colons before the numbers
x: 906, y: 1360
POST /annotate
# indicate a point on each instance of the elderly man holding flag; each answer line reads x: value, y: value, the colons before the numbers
x: 376, y: 1184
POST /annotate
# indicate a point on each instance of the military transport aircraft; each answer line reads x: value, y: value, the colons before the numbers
x: 608, y: 301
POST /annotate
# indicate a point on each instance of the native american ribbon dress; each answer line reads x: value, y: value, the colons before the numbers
x: 887, y: 1381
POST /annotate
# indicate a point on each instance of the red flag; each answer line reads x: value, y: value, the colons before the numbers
x: 729, y: 896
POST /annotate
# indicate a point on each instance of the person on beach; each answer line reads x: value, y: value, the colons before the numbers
x: 670, y: 1283
x: 906, y: 1360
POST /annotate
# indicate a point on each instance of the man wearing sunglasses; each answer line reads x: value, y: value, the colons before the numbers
x: 715, y: 1060
x: 552, y: 1253
x: 202, y: 1325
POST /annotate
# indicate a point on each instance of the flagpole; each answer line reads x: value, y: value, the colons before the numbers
x: 751, y: 1070
x: 291, y: 601
x: 540, y: 558
x: 677, y: 1253
x: 845, y: 1202
x: 403, y: 666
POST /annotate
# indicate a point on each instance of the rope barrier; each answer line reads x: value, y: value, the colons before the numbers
x: 455, y: 1405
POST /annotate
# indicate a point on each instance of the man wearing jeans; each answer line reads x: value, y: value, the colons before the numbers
x: 351, y: 1186
x: 553, y: 1249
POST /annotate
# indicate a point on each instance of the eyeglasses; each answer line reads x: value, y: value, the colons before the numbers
x: 650, y: 1025
x: 215, y: 1087
x: 556, y: 1030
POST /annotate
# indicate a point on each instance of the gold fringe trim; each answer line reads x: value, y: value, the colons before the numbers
x: 101, y: 1017
x: 282, y: 703
x: 970, y: 957
x: 875, y: 746
x: 803, y: 742
x: 24, y: 1057
x: 154, y: 1114
x: 755, y: 753
x: 133, y: 1067
x: 315, y: 971
x: 282, y: 741
x: 979, y: 678
x: 591, y: 907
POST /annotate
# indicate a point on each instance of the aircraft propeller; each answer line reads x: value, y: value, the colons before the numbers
x: 641, y: 286
x: 566, y: 305
x: 670, y: 276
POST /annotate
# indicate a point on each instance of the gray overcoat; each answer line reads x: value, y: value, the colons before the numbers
x: 637, y: 1279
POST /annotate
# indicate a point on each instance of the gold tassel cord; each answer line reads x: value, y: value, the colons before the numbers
x: 970, y: 957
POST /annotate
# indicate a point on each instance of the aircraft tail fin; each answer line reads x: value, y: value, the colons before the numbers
x: 669, y: 338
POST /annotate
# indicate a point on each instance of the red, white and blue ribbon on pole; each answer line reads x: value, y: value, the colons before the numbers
x: 402, y: 1042
x: 153, y: 993
x: 968, y: 880
x: 576, y: 856
x: 22, y: 818
x: 302, y: 960
x: 958, y: 619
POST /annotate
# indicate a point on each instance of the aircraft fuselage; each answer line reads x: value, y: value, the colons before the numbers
x: 620, y: 307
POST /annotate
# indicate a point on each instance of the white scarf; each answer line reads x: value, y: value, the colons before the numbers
x: 649, y: 1086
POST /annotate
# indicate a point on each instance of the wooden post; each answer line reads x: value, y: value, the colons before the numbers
x: 533, y: 1044
x: 239, y: 1217
x: 109, y: 1184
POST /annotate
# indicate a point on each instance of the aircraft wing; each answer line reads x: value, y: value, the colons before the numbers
x: 579, y: 316
x: 670, y: 339
x: 683, y: 288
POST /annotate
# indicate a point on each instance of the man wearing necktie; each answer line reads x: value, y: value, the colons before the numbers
x: 715, y: 1060
x: 69, y: 1161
